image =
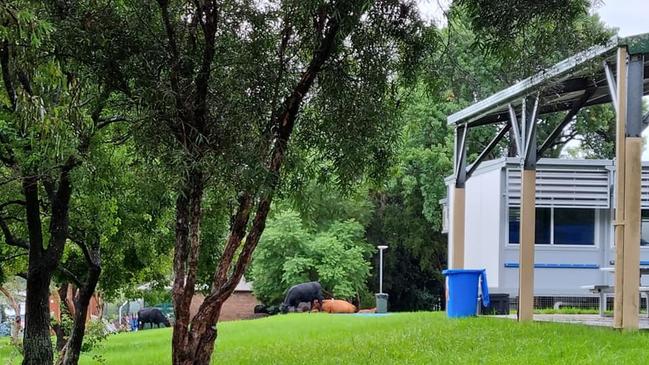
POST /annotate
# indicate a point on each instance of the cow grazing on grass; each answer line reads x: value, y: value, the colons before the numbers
x: 153, y: 316
x: 302, y: 293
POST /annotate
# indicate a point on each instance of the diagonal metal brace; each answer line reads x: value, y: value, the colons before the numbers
x: 612, y: 84
x: 576, y: 106
x: 513, y: 121
x: 460, y: 155
x: 494, y: 142
x: 529, y: 114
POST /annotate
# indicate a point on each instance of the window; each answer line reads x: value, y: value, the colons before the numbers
x: 644, y: 230
x: 574, y: 226
x: 561, y: 226
x: 514, y: 225
x: 543, y: 225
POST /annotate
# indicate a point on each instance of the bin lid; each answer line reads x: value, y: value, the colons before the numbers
x: 462, y: 271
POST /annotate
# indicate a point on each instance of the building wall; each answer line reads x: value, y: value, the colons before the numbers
x: 240, y: 305
x: 486, y: 231
x: 560, y: 280
x: 94, y: 306
x: 482, y: 227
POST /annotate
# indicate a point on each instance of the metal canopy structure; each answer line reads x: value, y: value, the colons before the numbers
x: 617, y: 73
x: 560, y: 86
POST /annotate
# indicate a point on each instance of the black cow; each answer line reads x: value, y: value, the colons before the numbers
x: 302, y: 293
x: 153, y: 316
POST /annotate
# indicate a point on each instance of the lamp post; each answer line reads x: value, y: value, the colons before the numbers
x: 381, y: 248
x: 381, y: 297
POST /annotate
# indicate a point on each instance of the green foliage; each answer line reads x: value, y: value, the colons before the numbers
x: 320, y: 205
x: 290, y: 254
x: 530, y: 30
x: 96, y: 334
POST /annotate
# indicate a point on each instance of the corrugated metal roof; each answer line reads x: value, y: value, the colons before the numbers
x: 559, y: 86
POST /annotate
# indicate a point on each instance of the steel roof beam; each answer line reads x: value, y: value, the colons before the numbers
x: 635, y: 86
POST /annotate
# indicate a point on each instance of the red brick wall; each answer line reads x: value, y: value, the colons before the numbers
x: 94, y: 307
x: 240, y: 305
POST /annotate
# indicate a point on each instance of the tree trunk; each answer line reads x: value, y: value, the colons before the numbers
x: 15, y: 326
x: 204, y: 337
x: 37, y: 344
x: 72, y: 349
x: 58, y: 327
x: 186, y: 251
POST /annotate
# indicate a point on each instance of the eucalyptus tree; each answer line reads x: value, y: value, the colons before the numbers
x: 119, y: 234
x: 51, y: 112
x: 227, y: 87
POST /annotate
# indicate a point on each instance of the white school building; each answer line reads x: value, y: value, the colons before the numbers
x: 574, y: 225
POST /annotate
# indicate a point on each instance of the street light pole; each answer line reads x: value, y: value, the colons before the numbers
x: 381, y: 248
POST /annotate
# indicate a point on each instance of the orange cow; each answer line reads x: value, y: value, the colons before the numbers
x: 337, y: 306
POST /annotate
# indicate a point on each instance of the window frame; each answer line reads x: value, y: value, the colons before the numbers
x: 552, y: 245
x: 642, y: 212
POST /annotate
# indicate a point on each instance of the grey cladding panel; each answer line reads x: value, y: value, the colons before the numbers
x: 645, y: 187
x: 571, y: 187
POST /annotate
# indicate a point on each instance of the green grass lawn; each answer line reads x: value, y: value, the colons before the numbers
x: 408, y: 338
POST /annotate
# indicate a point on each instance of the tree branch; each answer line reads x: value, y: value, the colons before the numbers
x: 70, y: 275
x: 10, y: 202
x: 172, y: 46
x: 6, y: 75
x: 59, y: 222
x: 237, y: 232
x: 104, y: 122
x: 209, y: 24
x: 3, y: 259
x: 90, y: 257
x: 9, y: 237
x: 283, y: 125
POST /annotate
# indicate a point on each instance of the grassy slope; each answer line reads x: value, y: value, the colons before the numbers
x: 411, y: 338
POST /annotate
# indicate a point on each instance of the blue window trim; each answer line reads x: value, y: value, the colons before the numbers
x: 557, y: 266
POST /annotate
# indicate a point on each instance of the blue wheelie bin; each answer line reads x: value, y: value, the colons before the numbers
x: 462, y: 291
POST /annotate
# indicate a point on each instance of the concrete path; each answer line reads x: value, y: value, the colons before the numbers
x: 586, y: 319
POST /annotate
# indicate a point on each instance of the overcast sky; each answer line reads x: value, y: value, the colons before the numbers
x: 629, y: 16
